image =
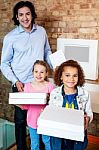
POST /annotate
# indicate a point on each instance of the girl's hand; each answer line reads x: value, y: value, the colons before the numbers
x: 86, y: 121
x: 42, y: 110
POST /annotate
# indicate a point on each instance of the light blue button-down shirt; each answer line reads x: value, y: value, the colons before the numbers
x: 20, y: 50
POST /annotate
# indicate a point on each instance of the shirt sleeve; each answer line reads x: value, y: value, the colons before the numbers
x: 51, y: 87
x: 6, y: 59
x: 47, y: 51
x: 52, y: 100
x: 88, y: 108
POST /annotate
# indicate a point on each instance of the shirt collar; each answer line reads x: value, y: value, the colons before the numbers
x: 80, y: 91
x: 21, y: 29
x: 63, y: 92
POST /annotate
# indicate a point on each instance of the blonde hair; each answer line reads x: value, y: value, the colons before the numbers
x: 43, y: 63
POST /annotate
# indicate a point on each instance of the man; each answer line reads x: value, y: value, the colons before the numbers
x: 21, y: 48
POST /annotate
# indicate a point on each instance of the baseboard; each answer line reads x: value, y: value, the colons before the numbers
x: 93, y: 139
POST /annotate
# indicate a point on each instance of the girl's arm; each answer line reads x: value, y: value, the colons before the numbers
x: 23, y: 106
x: 56, y: 98
x: 88, y: 112
x: 86, y: 121
x: 19, y: 106
x: 88, y: 109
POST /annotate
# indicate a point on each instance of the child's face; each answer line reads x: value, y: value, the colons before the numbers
x: 39, y: 73
x: 70, y: 76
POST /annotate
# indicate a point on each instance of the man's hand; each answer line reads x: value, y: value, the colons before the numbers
x: 20, y: 86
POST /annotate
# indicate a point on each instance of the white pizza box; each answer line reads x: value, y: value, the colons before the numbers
x: 61, y: 122
x: 27, y: 98
x: 57, y: 58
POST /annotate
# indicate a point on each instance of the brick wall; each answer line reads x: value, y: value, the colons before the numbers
x: 61, y: 18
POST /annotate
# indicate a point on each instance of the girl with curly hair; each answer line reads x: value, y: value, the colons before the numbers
x: 70, y: 93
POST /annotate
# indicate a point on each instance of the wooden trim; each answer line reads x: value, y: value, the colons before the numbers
x: 93, y: 139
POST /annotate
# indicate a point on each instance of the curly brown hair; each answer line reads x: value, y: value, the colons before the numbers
x: 69, y: 63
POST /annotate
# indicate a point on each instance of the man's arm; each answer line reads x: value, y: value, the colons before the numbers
x: 6, y: 59
x: 47, y: 51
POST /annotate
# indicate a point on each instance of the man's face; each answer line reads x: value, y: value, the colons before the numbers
x: 25, y: 18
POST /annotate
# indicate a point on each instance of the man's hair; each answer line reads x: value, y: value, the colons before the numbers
x: 20, y: 5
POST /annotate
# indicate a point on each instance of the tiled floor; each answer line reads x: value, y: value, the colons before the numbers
x: 90, y: 147
x: 93, y: 147
x: 28, y: 145
x: 93, y: 143
x: 13, y: 148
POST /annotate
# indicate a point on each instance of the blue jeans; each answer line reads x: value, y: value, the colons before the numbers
x: 35, y: 140
x: 56, y: 143
x: 81, y: 145
x: 66, y: 144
